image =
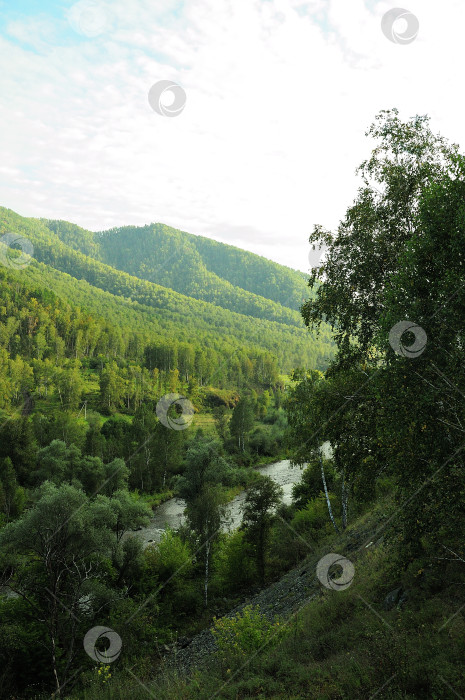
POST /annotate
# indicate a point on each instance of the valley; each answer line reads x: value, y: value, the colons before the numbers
x: 221, y: 477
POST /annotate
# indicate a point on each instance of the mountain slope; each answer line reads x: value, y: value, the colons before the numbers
x: 195, y: 266
x: 171, y: 313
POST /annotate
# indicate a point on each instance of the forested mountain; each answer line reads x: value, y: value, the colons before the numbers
x: 195, y: 266
x: 273, y: 327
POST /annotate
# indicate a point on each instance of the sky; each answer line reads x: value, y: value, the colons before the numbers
x: 270, y: 115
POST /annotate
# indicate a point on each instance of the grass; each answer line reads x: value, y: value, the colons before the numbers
x: 206, y: 422
x: 342, y: 645
x: 153, y: 500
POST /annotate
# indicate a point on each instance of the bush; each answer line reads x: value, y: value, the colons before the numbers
x: 315, y: 515
x: 247, y: 632
x: 262, y: 443
x: 168, y: 557
x: 287, y: 549
x: 276, y: 415
x: 232, y: 563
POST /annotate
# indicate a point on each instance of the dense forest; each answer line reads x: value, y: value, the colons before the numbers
x: 193, y: 265
x: 122, y: 387
x: 237, y: 319
x: 88, y: 356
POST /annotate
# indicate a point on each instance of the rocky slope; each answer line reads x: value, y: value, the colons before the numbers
x: 280, y: 600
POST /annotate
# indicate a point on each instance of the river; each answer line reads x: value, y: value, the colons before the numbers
x: 171, y: 513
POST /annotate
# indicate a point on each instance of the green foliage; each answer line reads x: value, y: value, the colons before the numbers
x: 310, y: 485
x: 334, y: 647
x: 84, y: 366
x: 160, y: 313
x: 258, y: 515
x: 233, y: 565
x: 50, y: 549
x: 170, y: 559
x: 198, y: 267
x: 241, y: 422
x: 313, y: 517
x: 243, y: 634
x: 86, y: 352
x: 12, y: 496
x: 396, y: 256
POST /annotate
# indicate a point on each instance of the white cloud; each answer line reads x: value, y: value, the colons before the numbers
x: 279, y: 95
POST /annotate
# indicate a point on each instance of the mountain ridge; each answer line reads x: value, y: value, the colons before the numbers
x: 250, y: 320
x: 195, y: 266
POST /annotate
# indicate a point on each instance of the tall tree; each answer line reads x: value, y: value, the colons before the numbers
x: 241, y: 422
x: 52, y: 558
x: 366, y: 249
x: 260, y: 503
x: 396, y: 259
x: 205, y: 499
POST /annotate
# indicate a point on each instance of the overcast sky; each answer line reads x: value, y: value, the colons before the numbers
x: 278, y: 96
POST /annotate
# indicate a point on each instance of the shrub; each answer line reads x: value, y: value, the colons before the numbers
x: 168, y: 557
x: 233, y: 565
x: 315, y: 515
x: 261, y: 442
x: 247, y: 632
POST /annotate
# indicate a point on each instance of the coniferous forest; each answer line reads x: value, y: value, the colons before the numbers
x: 145, y: 368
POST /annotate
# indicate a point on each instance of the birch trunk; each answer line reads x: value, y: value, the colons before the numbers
x: 345, y: 500
x: 328, y: 502
x: 207, y: 556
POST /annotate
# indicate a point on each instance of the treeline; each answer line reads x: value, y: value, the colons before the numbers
x: 192, y: 282
x: 49, y: 348
x: 253, y: 272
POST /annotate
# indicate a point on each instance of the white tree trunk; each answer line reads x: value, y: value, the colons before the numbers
x: 345, y: 501
x: 328, y: 502
x: 207, y: 557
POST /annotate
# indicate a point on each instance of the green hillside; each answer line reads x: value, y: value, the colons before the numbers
x: 195, y: 266
x: 253, y: 321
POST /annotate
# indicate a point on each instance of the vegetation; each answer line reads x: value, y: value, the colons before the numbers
x: 224, y: 331
x: 84, y: 457
x: 377, y: 434
x: 243, y: 634
x: 193, y: 265
x: 334, y: 647
x: 261, y: 500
